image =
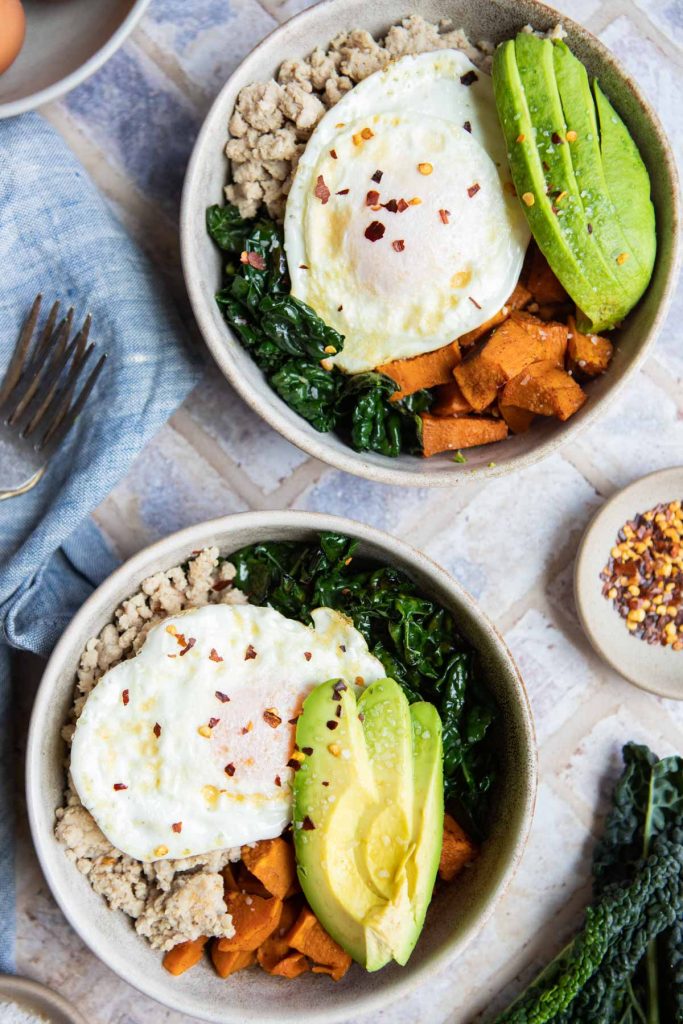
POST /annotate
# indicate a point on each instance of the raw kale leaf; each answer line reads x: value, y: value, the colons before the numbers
x: 417, y: 641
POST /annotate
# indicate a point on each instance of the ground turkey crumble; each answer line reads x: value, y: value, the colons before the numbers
x: 273, y: 120
x: 171, y: 901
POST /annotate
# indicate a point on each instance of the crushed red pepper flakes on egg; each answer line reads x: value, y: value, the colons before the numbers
x: 214, y: 655
x: 250, y: 653
x: 271, y: 718
x: 377, y: 176
x: 445, y: 216
x: 179, y: 637
x: 374, y: 231
x: 307, y: 825
x: 222, y: 697
x: 247, y: 728
x: 343, y: 192
x: 303, y: 266
x: 473, y: 189
x: 213, y: 722
x: 474, y: 302
x: 125, y: 697
x: 118, y: 786
x: 157, y: 730
x: 339, y: 308
x: 278, y: 780
x: 188, y: 646
x: 333, y: 154
x: 177, y: 826
x: 469, y: 78
x: 254, y: 259
x: 372, y: 198
x: 229, y: 769
x: 401, y: 206
x: 308, y: 655
x: 171, y: 655
x: 468, y: 126
x: 398, y: 245
x: 391, y: 206
x: 321, y: 191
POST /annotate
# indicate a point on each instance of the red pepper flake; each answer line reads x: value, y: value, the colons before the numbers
x: 307, y: 825
x: 220, y: 585
x: 339, y: 308
x: 157, y: 730
x: 469, y: 78
x: 254, y: 259
x: 293, y: 721
x: 271, y: 718
x: 229, y: 769
x: 361, y: 717
x: 399, y: 245
x: 308, y: 655
x: 343, y: 192
x: 474, y: 302
x: 473, y: 189
x: 468, y: 126
x: 278, y: 780
x: 125, y: 697
x: 294, y: 764
x: 377, y: 176
x: 171, y: 655
x: 177, y: 826
x: 325, y: 783
x: 302, y: 266
x: 339, y: 686
x: 188, y: 646
x: 118, y: 786
x: 332, y: 724
x: 556, y: 139
x: 402, y: 205
x: 214, y: 655
x: 222, y: 697
x: 338, y: 711
x: 391, y: 206
x: 321, y: 191
x: 375, y: 231
x: 213, y: 722
x: 589, y: 228
x: 333, y: 154
x: 445, y: 215
x: 307, y: 751
x: 250, y: 653
x: 372, y: 198
x: 247, y: 728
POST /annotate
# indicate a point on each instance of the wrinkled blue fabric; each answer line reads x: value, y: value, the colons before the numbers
x: 59, y: 237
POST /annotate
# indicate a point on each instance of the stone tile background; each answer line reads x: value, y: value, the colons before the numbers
x: 133, y: 125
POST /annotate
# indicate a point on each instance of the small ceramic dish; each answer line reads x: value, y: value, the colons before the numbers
x: 493, y: 20
x: 457, y: 911
x: 66, y: 41
x: 652, y: 667
x: 35, y: 998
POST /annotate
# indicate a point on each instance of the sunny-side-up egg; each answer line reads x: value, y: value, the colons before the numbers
x: 402, y: 229
x: 183, y: 749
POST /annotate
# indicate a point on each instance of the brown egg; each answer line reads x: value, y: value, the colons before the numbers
x: 12, y: 31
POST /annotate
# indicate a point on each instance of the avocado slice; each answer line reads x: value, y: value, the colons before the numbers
x: 591, y: 170
x: 368, y: 816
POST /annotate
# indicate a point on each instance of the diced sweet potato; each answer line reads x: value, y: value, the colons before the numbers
x: 518, y: 300
x: 184, y: 955
x: 544, y: 389
x: 588, y: 353
x: 541, y: 282
x: 521, y: 340
x: 276, y: 946
x: 254, y: 919
x: 450, y: 401
x: 441, y: 433
x: 518, y: 420
x: 272, y: 862
x: 309, y: 937
x: 291, y: 966
x: 457, y: 849
x: 230, y: 878
x: 425, y: 371
x: 227, y: 963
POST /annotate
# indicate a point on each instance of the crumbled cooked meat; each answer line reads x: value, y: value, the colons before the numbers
x: 164, y: 887
x: 272, y: 120
x: 194, y: 906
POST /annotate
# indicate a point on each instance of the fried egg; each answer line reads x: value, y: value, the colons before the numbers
x: 184, y: 748
x: 402, y: 228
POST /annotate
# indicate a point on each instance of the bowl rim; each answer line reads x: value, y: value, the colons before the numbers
x: 79, y: 75
x: 263, y: 521
x: 270, y: 408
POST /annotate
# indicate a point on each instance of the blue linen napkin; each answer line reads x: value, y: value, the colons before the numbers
x: 59, y: 237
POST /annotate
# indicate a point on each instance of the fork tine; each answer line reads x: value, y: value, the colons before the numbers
x: 19, y: 356
x: 55, y: 435
x: 48, y: 387
x: 38, y: 370
x: 45, y: 335
x: 56, y: 403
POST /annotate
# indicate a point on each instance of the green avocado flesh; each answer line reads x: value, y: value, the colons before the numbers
x: 368, y: 816
x: 591, y: 213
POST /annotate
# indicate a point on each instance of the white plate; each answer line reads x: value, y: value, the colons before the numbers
x: 35, y: 998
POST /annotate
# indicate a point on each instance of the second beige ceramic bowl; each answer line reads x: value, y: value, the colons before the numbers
x: 494, y: 20
x: 457, y: 911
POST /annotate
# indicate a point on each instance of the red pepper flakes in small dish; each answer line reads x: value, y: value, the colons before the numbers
x: 644, y: 575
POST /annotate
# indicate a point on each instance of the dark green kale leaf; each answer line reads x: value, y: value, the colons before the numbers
x: 297, y: 329
x: 310, y: 391
x: 226, y: 227
x: 375, y: 424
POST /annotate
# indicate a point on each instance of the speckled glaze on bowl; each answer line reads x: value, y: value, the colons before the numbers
x: 482, y: 19
x: 66, y: 41
x: 457, y: 911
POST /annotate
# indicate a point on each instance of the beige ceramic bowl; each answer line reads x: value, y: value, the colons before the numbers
x: 66, y: 41
x: 482, y: 19
x: 457, y: 911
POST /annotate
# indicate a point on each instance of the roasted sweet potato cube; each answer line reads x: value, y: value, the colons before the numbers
x: 443, y: 433
x: 541, y: 281
x: 518, y: 420
x: 589, y: 354
x: 457, y: 850
x: 272, y: 862
x: 518, y: 300
x: 309, y: 937
x: 184, y: 955
x: 254, y: 919
x: 544, y: 389
x: 291, y: 966
x: 276, y: 947
x: 228, y: 962
x: 450, y: 401
x: 425, y: 371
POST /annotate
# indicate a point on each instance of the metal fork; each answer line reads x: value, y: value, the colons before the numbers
x: 38, y: 401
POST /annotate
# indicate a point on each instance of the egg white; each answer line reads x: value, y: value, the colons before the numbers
x: 178, y: 777
x: 450, y: 277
